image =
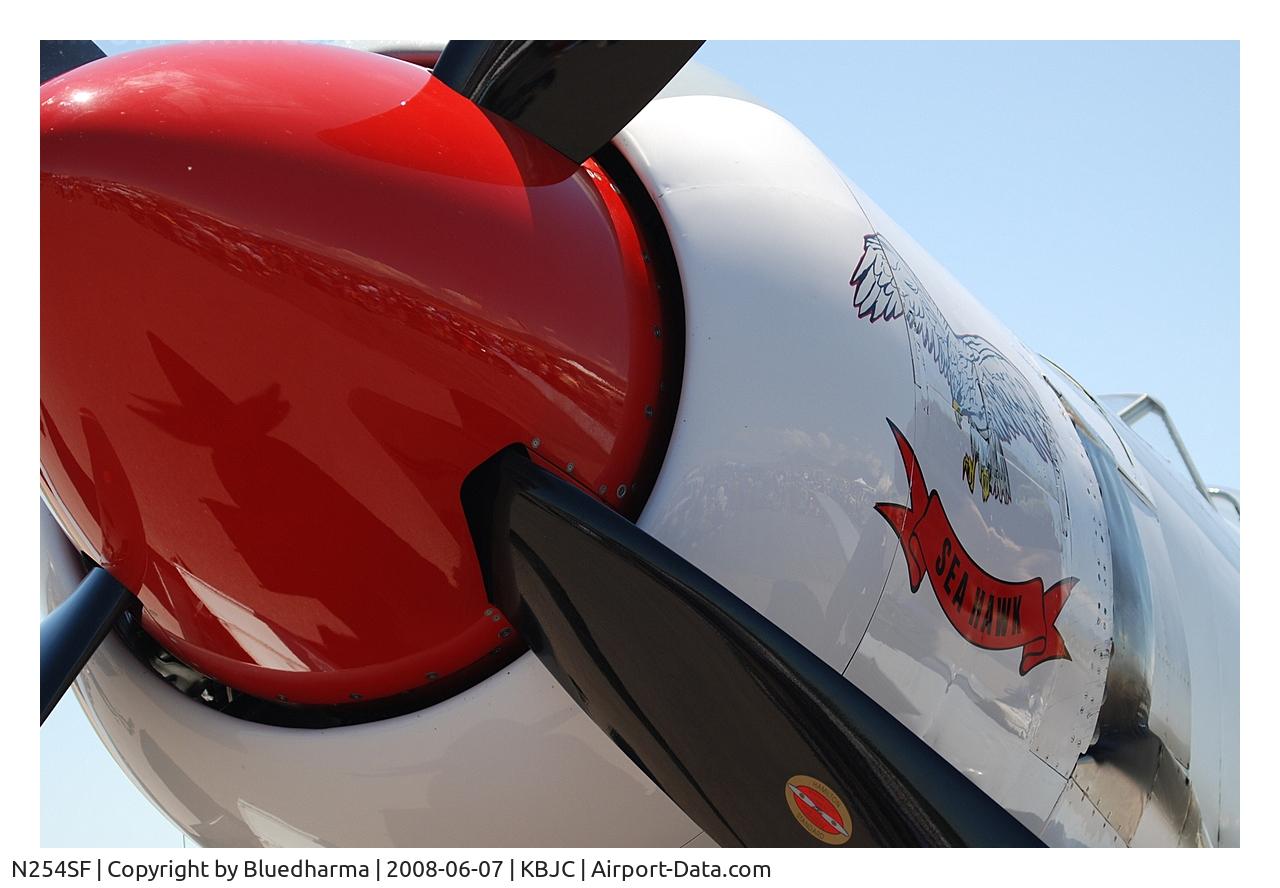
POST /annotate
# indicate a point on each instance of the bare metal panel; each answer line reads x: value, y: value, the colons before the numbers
x: 1075, y: 822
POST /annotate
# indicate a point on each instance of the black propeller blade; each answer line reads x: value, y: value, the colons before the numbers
x: 60, y: 56
x: 575, y: 95
x: 73, y: 631
x: 740, y: 725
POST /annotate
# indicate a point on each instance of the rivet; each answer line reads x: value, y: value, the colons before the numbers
x: 536, y: 443
x: 282, y: 698
x: 657, y: 332
x: 646, y: 256
x: 622, y: 491
x: 496, y: 650
x: 569, y: 468
x: 603, y: 490
x: 488, y: 611
x: 356, y: 696
x: 648, y: 410
x: 496, y: 618
x: 505, y: 633
x: 432, y: 676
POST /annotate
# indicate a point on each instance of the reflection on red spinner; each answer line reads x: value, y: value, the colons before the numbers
x: 291, y: 296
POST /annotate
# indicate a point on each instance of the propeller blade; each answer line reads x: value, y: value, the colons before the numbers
x: 575, y: 95
x: 73, y: 631
x: 60, y: 56
x: 756, y: 738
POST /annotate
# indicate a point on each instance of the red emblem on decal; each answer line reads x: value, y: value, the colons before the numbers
x: 818, y: 809
x: 988, y: 612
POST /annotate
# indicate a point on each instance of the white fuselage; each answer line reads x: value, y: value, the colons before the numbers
x: 782, y: 451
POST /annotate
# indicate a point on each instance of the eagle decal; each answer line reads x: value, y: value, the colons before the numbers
x: 988, y: 392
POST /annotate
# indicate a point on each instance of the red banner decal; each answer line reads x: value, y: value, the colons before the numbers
x: 988, y: 612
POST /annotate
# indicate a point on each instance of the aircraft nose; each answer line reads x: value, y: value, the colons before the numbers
x: 292, y: 296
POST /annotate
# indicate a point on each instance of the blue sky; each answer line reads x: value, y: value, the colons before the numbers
x: 86, y: 801
x: 1088, y: 193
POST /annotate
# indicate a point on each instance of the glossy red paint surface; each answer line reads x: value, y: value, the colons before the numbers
x: 291, y: 296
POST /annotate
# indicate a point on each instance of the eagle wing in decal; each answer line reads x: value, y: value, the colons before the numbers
x: 986, y: 389
x: 1011, y: 407
x: 879, y: 279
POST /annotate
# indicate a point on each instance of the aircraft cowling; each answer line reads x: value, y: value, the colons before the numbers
x: 810, y: 416
x: 292, y: 295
